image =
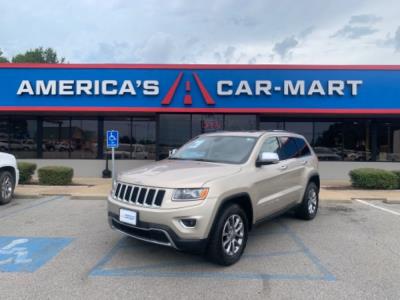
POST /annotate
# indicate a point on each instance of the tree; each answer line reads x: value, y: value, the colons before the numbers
x: 39, y: 55
x: 2, y: 58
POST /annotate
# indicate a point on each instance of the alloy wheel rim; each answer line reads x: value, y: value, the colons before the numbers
x: 233, y: 235
x: 6, y: 188
x: 312, y: 201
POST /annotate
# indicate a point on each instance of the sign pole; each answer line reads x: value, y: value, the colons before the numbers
x: 113, y: 164
x: 112, y: 142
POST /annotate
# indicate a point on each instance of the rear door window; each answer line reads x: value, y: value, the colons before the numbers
x: 288, y: 148
x: 304, y: 150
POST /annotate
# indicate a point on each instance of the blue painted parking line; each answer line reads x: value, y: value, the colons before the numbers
x: 28, y: 254
x: 101, y: 269
x: 33, y: 205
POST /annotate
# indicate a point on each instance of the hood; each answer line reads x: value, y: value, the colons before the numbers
x: 177, y: 173
x: 7, y: 159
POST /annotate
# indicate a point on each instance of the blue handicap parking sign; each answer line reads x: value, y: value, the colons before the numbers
x: 27, y: 254
x: 112, y: 139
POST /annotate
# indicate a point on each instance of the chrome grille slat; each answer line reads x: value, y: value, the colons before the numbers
x: 139, y: 195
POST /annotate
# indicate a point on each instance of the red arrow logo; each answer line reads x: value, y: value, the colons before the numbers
x: 188, y: 98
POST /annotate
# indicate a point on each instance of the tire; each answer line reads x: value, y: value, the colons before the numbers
x: 308, y: 208
x: 222, y: 234
x: 7, y: 185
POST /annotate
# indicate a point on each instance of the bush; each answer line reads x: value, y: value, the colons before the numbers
x: 369, y: 178
x: 397, y: 173
x: 55, y: 175
x: 26, y: 170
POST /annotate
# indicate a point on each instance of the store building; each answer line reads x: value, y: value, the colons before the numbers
x: 349, y: 114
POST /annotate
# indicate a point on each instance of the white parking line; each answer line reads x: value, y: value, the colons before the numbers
x: 379, y: 207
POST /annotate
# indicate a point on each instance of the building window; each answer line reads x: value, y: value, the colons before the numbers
x: 174, y: 131
x: 271, y: 125
x: 388, y: 141
x: 206, y: 123
x: 240, y: 122
x: 18, y: 137
x: 136, y: 137
x: 303, y: 128
x: 143, y: 138
x: 66, y: 138
x: 357, y: 142
x: 56, y: 138
x: 327, y: 140
x: 124, y: 127
x: 83, y: 139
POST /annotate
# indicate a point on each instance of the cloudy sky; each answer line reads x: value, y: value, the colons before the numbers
x: 207, y: 31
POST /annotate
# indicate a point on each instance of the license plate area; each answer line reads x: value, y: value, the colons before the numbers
x: 128, y: 216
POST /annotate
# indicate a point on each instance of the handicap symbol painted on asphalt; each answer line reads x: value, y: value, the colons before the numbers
x: 17, y: 255
x: 27, y: 254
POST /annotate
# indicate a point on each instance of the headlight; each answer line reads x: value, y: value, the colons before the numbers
x: 190, y: 194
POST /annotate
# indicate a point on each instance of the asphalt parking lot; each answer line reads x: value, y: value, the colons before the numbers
x: 55, y: 247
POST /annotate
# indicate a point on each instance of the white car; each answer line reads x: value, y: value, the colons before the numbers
x: 9, y: 176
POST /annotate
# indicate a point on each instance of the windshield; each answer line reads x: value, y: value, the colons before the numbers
x: 222, y: 149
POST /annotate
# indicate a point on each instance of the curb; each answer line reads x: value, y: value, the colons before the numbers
x: 337, y: 200
x: 72, y: 197
x: 391, y: 201
x: 88, y: 197
x: 24, y: 196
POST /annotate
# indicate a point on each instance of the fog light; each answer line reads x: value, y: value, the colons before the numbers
x: 188, y: 222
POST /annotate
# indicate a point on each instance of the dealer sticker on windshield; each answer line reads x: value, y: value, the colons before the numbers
x: 128, y: 216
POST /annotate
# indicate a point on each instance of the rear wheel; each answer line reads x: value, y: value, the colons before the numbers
x: 229, y: 237
x: 6, y: 187
x: 309, y: 206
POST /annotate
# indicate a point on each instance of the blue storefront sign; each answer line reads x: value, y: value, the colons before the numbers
x: 198, y: 88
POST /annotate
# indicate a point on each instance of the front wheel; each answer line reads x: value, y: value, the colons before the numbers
x: 309, y: 206
x: 229, y: 237
x: 6, y: 187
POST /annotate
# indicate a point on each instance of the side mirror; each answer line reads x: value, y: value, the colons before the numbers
x: 172, y: 152
x: 267, y: 158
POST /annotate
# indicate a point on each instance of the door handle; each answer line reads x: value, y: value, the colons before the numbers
x: 304, y: 162
x: 283, y: 167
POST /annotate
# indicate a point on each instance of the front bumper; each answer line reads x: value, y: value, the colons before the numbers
x: 162, y: 226
x: 157, y: 234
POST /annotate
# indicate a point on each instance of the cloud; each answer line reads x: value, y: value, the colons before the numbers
x: 364, y: 19
x: 306, y: 32
x: 284, y: 47
x: 358, y: 26
x: 208, y: 31
x: 354, y: 32
x: 392, y: 41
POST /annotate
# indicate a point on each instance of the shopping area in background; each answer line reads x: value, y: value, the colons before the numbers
x: 151, y: 136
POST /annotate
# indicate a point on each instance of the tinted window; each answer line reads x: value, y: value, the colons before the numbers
x: 174, y: 131
x: 288, y: 148
x: 240, y: 122
x: 303, y: 149
x: 303, y: 128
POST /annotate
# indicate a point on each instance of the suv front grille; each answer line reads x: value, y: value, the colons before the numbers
x: 139, y: 195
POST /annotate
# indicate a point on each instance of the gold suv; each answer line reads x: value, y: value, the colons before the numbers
x: 209, y: 194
